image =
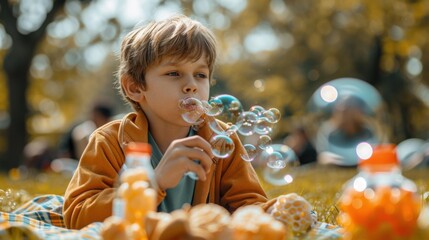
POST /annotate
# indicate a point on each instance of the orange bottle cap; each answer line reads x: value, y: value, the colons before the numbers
x: 139, y: 147
x: 384, y: 154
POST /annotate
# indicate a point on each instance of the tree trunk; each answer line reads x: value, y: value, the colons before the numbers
x: 374, y: 70
x: 16, y: 65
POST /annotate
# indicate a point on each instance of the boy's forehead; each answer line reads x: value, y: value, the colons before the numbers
x: 175, y: 60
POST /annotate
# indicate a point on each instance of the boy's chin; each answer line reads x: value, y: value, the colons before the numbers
x: 185, y: 124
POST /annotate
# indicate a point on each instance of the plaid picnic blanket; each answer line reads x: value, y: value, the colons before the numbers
x: 41, y: 218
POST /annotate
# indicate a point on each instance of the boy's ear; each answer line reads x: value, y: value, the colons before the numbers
x: 132, y: 89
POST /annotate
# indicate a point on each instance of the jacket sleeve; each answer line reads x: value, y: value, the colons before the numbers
x: 239, y: 184
x: 89, y: 195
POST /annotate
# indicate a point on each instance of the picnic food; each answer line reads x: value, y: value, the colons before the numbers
x: 294, y: 211
x: 251, y: 222
x: 213, y: 222
x: 206, y: 221
x: 114, y: 228
x: 210, y: 219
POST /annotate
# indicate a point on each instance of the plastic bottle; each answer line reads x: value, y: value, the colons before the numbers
x: 379, y: 202
x: 136, y: 195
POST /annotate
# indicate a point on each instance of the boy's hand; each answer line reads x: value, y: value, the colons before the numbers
x: 179, y: 159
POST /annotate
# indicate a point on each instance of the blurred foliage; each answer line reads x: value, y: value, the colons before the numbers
x: 376, y: 41
x: 68, y: 70
x: 65, y: 82
x: 274, y: 53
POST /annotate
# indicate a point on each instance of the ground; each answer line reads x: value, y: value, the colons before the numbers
x: 320, y: 185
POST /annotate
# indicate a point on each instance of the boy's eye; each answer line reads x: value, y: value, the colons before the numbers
x: 201, y: 75
x: 174, y: 74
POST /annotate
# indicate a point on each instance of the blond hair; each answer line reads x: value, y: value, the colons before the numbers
x: 179, y: 37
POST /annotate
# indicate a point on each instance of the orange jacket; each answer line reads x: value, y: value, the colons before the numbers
x: 231, y: 182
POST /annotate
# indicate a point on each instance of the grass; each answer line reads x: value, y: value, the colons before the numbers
x: 320, y: 185
x: 18, y: 187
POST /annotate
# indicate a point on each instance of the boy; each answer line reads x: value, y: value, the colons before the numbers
x: 160, y: 64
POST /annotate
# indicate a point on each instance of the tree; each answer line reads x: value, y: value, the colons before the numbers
x: 16, y: 65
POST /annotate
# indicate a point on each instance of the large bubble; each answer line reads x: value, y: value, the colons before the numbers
x: 280, y: 161
x: 344, y: 113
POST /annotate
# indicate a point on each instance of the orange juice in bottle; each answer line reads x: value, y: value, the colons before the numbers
x: 379, y: 202
x: 136, y: 194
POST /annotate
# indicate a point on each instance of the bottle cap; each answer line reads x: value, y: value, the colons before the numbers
x: 384, y: 154
x: 139, y: 147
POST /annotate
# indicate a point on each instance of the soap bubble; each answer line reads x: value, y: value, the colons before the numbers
x: 246, y: 123
x: 258, y: 110
x: 251, y: 153
x: 232, y: 108
x: 410, y: 152
x: 192, y: 110
x: 215, y: 127
x: 232, y: 128
x: 222, y: 146
x: 273, y: 115
x: 263, y: 126
x: 342, y: 114
x: 228, y: 109
x: 322, y: 98
x: 275, y: 160
x: 280, y: 161
x: 264, y: 141
x: 214, y: 107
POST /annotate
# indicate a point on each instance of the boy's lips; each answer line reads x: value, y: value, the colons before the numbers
x: 190, y: 104
x: 192, y: 110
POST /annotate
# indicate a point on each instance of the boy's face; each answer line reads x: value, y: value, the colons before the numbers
x: 170, y: 81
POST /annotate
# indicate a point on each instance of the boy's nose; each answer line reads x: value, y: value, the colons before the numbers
x: 191, y: 86
x: 190, y: 90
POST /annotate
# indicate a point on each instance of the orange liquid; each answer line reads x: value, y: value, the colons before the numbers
x: 383, y: 213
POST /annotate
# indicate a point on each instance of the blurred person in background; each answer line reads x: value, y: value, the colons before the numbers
x: 75, y: 140
x: 299, y: 141
x: 38, y: 155
x: 348, y: 126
